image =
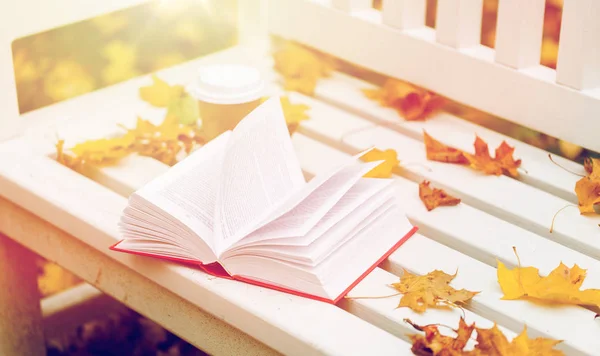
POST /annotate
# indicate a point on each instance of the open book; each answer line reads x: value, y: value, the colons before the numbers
x: 240, y: 208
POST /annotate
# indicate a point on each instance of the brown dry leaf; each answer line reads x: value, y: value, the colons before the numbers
x: 502, y: 163
x: 166, y: 142
x: 160, y: 94
x: 434, y: 343
x: 437, y: 151
x: 430, y: 291
x: 385, y: 169
x: 301, y: 68
x: 588, y: 187
x: 412, y: 102
x: 432, y: 198
x: 561, y: 286
x: 490, y: 342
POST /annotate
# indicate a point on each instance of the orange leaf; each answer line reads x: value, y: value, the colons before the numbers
x: 502, y: 163
x: 385, y: 169
x: 432, y: 198
x: 437, y: 151
x: 490, y: 342
x: 588, y: 188
x: 412, y: 102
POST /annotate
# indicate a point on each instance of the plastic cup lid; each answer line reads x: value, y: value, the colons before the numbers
x: 228, y: 84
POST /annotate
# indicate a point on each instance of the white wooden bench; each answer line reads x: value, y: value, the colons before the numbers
x: 71, y: 219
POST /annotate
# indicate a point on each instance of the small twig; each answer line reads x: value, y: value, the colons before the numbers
x: 524, y: 170
x: 555, y: 214
x: 553, y: 161
x: 519, y: 274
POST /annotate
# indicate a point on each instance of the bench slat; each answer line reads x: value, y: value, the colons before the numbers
x: 532, y: 210
x: 528, y: 97
x: 52, y: 191
x: 385, y: 314
x: 345, y: 91
x: 421, y: 255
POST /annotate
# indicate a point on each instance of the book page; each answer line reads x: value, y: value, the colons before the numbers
x: 338, y: 224
x: 188, y: 190
x: 260, y: 171
x: 305, y: 215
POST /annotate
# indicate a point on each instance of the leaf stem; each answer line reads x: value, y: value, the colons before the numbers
x: 519, y: 274
x: 555, y: 214
x: 553, y: 161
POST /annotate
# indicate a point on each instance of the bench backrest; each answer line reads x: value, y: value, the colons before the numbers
x: 507, y: 81
x: 27, y: 17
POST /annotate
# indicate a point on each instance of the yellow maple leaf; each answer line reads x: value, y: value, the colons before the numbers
x: 560, y: 286
x: 160, y: 93
x: 432, y: 290
x: 301, y: 68
x: 385, y: 169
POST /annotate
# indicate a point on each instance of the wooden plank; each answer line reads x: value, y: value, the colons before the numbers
x: 345, y: 92
x: 458, y: 23
x: 541, y: 321
x: 464, y: 228
x: 404, y: 14
x: 127, y: 286
x: 421, y: 255
x: 351, y: 5
x: 578, y: 64
x: 384, y: 312
x: 533, y: 210
x: 527, y: 97
x: 519, y: 32
x: 51, y: 191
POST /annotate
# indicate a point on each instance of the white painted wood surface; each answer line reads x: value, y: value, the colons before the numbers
x: 351, y: 5
x: 404, y: 14
x: 458, y: 23
x: 345, y: 92
x: 533, y: 210
x: 480, y: 232
x: 519, y: 32
x: 484, y: 240
x: 126, y: 285
x: 290, y: 327
x: 530, y: 97
x: 578, y: 64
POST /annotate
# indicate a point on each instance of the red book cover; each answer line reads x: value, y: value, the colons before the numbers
x: 217, y: 270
